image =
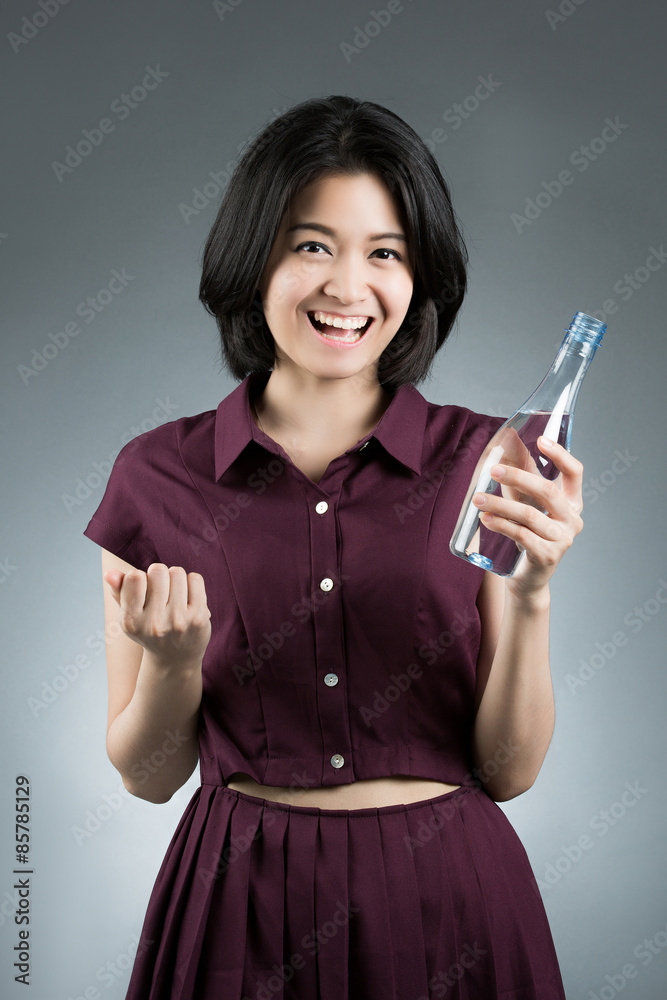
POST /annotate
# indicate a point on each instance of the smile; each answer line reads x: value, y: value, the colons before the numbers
x: 339, y: 330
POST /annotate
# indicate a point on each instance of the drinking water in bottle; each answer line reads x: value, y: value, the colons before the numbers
x: 548, y: 411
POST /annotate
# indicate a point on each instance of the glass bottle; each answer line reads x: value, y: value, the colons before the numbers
x: 548, y: 411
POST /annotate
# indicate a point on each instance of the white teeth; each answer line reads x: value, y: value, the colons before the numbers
x: 349, y: 323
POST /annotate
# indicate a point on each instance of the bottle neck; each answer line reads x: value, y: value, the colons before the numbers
x: 557, y: 392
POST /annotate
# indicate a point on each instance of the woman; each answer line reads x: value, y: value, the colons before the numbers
x: 282, y: 607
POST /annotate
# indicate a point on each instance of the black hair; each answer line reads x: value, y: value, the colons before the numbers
x: 323, y: 137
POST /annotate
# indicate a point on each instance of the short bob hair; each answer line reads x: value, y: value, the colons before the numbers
x: 324, y: 137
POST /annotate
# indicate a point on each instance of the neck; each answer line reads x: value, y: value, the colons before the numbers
x: 305, y: 408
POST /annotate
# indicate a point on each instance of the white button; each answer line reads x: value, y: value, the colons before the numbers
x: 364, y: 445
x: 326, y: 583
x: 337, y: 760
x: 331, y: 680
x: 322, y: 507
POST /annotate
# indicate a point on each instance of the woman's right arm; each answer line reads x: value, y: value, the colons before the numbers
x: 157, y: 628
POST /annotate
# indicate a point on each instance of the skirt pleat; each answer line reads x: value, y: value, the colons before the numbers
x: 404, y: 896
x: 332, y: 911
x: 455, y: 919
x: 259, y: 900
x: 370, y: 926
x: 300, y: 878
x: 221, y: 961
x: 266, y: 898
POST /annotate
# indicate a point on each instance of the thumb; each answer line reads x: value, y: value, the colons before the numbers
x: 114, y: 577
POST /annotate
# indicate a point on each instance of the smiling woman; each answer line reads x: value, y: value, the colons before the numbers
x: 357, y: 697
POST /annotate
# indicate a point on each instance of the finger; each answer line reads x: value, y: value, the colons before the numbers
x: 538, y: 549
x: 197, y: 595
x: 545, y: 493
x: 498, y: 510
x: 133, y: 591
x: 515, y: 452
x: 197, y: 592
x: 571, y: 468
x: 177, y: 599
x: 157, y: 588
x: 114, y: 579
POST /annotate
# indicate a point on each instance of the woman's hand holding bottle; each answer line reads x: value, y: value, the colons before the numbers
x: 545, y: 530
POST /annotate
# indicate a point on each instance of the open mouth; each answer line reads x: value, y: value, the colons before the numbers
x: 338, y: 333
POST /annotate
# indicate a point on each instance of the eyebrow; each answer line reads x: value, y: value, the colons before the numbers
x: 331, y: 232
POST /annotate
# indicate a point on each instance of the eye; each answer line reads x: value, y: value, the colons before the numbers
x: 310, y: 243
x: 387, y: 250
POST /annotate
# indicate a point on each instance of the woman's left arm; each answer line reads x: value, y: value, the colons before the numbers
x: 514, y: 702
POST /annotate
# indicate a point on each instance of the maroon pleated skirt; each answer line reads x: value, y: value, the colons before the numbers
x: 259, y: 900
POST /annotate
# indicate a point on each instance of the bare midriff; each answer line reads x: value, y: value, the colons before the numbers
x: 389, y: 791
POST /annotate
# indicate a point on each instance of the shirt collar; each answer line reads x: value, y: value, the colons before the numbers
x: 400, y: 430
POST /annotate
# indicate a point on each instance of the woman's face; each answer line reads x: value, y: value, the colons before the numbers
x: 338, y: 251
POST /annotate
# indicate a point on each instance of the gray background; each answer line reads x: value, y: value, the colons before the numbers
x: 555, y: 83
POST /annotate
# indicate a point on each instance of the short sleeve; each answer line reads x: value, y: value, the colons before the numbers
x: 125, y: 521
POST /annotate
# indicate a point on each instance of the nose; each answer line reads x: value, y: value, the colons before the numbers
x: 345, y: 280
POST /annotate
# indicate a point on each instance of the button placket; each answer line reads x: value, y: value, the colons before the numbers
x: 331, y: 695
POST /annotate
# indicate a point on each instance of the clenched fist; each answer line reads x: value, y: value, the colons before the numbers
x: 164, y: 610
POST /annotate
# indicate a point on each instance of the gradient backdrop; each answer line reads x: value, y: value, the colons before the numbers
x: 508, y: 95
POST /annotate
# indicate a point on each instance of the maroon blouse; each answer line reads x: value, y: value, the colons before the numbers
x: 345, y: 635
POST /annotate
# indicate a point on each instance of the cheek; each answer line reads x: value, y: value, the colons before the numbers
x: 285, y: 285
x: 402, y: 296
